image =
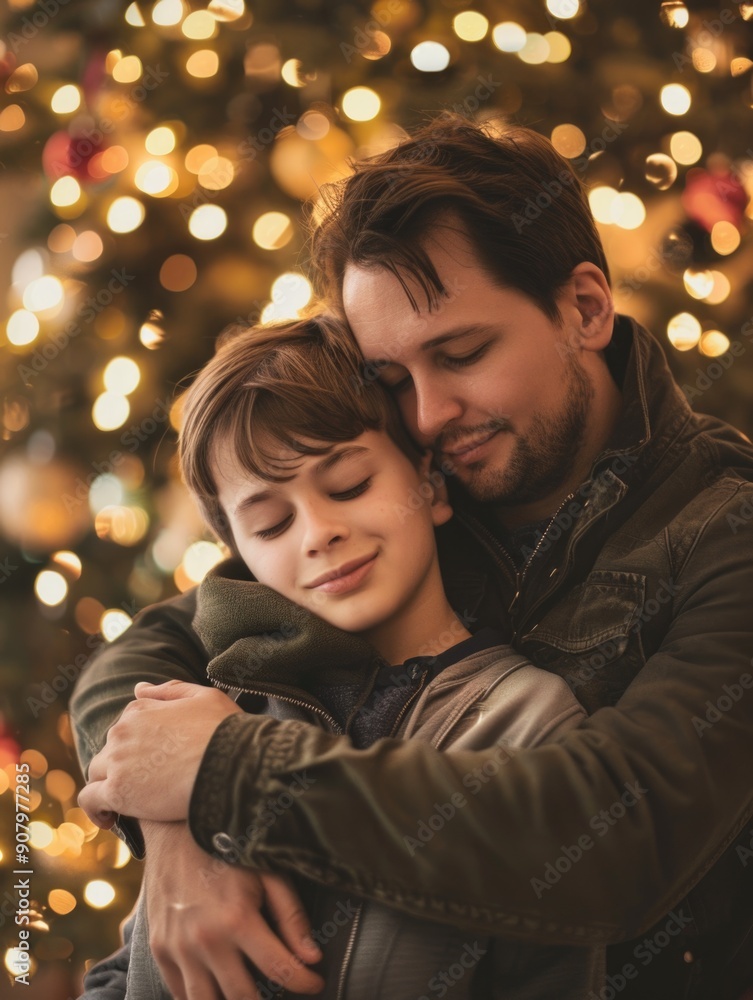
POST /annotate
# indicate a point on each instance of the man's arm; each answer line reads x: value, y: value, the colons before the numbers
x: 598, y: 834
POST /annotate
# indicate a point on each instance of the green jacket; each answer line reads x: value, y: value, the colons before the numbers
x: 640, y: 597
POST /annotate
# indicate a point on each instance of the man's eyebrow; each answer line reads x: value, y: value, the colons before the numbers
x: 456, y: 333
x: 328, y: 462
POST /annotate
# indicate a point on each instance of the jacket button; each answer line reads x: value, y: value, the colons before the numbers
x: 223, y: 843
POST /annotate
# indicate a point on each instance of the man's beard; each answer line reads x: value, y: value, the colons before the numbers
x: 542, y: 460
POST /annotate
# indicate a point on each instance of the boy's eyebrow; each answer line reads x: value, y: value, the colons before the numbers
x: 328, y: 462
x: 456, y: 333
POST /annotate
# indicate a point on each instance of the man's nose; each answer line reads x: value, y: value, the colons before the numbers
x: 435, y: 409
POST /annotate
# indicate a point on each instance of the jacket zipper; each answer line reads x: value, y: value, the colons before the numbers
x: 357, y: 918
x: 336, y: 727
x: 522, y: 574
x: 348, y: 952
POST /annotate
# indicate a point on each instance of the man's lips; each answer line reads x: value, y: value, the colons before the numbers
x: 466, y: 451
x: 345, y: 577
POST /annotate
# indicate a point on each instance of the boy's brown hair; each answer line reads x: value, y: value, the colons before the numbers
x: 299, y: 385
x: 520, y: 203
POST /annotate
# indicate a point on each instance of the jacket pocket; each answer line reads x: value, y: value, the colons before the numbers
x: 592, y: 637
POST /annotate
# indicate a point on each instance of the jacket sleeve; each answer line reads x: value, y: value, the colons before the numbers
x: 596, y: 834
x: 160, y: 645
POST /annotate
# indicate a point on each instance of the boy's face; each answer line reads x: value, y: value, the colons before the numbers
x: 349, y: 537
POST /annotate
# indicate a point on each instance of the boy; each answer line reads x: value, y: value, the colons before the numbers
x: 303, y: 468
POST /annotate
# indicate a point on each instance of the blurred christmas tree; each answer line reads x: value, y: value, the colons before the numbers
x: 157, y: 159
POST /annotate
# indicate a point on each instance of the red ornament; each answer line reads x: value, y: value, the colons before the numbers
x: 66, y: 155
x: 714, y: 197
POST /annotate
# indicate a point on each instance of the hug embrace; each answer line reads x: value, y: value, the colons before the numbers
x: 432, y: 728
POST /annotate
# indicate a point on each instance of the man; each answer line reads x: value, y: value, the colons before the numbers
x: 621, y: 560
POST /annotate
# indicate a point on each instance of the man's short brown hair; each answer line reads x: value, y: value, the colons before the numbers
x: 520, y: 203
x: 299, y: 385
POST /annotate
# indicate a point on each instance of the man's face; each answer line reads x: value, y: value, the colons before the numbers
x: 486, y: 379
x: 343, y: 537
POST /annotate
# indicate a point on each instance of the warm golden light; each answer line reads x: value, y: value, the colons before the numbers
x: 361, y: 104
x: 227, y: 10
x: 199, y: 558
x: 508, y: 36
x: 12, y: 118
x: 560, y: 48
x: 160, y: 141
x: 674, y: 14
x: 98, y: 893
x: 41, y: 834
x: 272, y: 231
x: 699, y: 284
x: 125, y: 214
x: 470, y: 26
x: 88, y: 246
x: 156, y: 178
x: 720, y: 290
x: 684, y: 331
x: 66, y: 99
x: 134, y: 17
x: 167, y: 13
x: 110, y: 410
x: 197, y: 156
x: 127, y: 70
x: 22, y: 328
x: 43, y: 294
x: 430, y: 57
x: 61, y: 901
x: 628, y: 211
x: 65, y: 192
x: 313, y: 125
x: 199, y: 25
x: 602, y: 199
x: 563, y: 9
x: 178, y: 273
x: 207, y: 222
x: 216, y: 173
x: 151, y: 335
x: 713, y: 343
x: 661, y: 170
x: 725, y: 238
x: 675, y: 99
x: 114, y: 623
x: 536, y: 49
x: 704, y: 60
x: 685, y: 148
x: 121, y: 375
x: 203, y: 64
x: 291, y: 73
x: 51, y: 587
x: 568, y: 140
x: 68, y: 561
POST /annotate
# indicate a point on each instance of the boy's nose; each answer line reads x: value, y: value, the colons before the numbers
x: 323, y: 530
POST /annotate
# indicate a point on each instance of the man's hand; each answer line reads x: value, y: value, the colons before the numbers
x: 149, y: 764
x: 204, y: 916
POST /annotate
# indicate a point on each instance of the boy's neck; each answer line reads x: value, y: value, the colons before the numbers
x: 426, y: 627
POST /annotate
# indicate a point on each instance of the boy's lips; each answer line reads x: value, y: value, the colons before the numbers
x: 345, y: 577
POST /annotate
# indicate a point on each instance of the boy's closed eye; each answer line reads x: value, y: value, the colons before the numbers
x: 348, y: 494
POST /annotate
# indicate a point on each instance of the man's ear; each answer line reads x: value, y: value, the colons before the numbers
x: 441, y: 511
x: 587, y: 303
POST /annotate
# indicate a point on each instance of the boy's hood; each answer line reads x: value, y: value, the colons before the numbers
x: 254, y: 636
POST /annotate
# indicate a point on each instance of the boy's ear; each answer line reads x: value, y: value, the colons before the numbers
x: 441, y: 511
